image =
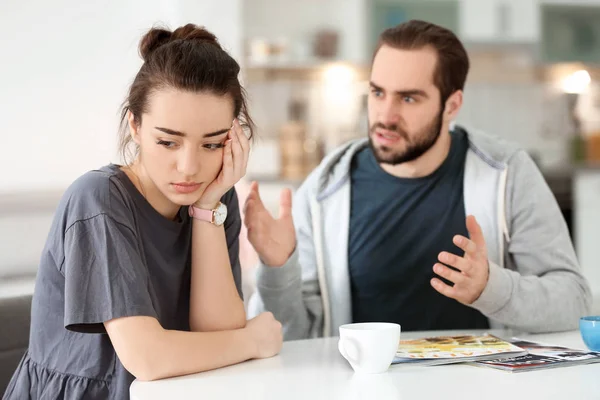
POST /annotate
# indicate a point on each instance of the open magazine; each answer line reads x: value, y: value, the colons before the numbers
x: 440, y: 350
x: 541, y: 356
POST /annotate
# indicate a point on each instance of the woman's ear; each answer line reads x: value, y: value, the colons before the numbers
x: 133, y: 127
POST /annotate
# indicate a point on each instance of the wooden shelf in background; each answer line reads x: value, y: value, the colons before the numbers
x: 309, y: 71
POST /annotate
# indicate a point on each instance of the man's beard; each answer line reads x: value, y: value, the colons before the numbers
x: 415, y: 148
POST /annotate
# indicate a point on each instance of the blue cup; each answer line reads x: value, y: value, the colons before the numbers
x: 590, y: 332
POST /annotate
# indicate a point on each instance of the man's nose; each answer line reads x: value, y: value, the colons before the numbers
x: 389, y: 113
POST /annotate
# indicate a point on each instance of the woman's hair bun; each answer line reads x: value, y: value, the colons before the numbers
x: 152, y: 40
x: 156, y: 37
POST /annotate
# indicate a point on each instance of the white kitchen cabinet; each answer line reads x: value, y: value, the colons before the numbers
x: 587, y: 227
x: 294, y: 24
x: 523, y: 23
x: 500, y: 21
x: 477, y: 20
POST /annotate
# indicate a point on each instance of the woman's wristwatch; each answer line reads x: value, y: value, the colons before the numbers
x: 215, y: 216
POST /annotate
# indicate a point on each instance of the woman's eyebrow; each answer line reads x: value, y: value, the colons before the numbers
x: 182, y: 134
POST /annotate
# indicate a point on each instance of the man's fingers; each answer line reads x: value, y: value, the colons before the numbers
x: 285, y: 203
x: 254, y: 194
x: 467, y: 245
x: 455, y: 261
x: 451, y: 275
x: 248, y: 208
x: 475, y: 232
x: 253, y: 190
x: 446, y: 290
x: 253, y: 207
x: 252, y: 222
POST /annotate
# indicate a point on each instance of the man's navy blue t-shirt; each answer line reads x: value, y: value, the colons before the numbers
x: 398, y: 227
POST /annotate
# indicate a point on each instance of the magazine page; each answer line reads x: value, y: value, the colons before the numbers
x: 542, y: 356
x: 452, y: 349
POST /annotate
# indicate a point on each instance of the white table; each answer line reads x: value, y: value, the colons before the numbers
x: 313, y: 369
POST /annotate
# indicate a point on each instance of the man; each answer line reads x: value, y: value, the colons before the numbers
x: 419, y: 225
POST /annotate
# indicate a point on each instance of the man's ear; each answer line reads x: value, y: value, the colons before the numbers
x: 133, y: 127
x: 453, y: 105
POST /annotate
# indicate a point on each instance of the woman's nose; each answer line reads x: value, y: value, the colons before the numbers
x: 187, y: 163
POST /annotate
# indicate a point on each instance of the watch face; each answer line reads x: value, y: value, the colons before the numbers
x: 220, y: 214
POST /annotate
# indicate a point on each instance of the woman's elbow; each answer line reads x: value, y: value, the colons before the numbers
x: 240, y: 323
x: 240, y: 320
x: 144, y: 374
x: 143, y: 367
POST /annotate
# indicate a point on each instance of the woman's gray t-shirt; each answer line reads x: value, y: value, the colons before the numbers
x: 109, y: 254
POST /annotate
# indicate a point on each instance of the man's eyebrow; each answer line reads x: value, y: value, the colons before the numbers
x: 402, y: 93
x: 412, y: 93
x: 374, y: 86
x: 182, y: 134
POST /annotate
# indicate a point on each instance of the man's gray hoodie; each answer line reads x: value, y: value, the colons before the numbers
x: 535, y: 283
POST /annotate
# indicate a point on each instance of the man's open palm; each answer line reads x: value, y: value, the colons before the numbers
x: 273, y: 239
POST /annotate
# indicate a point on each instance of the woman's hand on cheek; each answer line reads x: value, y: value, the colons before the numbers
x: 235, y: 160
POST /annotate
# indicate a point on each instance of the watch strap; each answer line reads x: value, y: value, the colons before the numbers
x: 201, y: 214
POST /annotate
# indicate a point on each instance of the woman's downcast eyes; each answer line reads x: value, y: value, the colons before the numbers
x: 172, y: 145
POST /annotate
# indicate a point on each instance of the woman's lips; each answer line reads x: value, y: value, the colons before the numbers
x: 185, y: 187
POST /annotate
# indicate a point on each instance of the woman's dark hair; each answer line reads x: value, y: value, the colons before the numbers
x: 190, y: 59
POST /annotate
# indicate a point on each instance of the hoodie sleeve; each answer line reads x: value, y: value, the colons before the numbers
x: 291, y: 292
x: 542, y: 289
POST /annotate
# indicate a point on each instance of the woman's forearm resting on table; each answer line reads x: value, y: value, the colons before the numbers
x: 150, y: 352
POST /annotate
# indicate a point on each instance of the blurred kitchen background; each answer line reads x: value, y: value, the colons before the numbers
x: 66, y: 65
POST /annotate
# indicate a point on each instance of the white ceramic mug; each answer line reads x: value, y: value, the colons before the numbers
x: 369, y: 347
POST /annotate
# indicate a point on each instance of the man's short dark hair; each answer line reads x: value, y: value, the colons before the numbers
x: 453, y: 62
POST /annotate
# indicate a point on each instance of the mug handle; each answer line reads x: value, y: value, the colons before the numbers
x: 349, y: 349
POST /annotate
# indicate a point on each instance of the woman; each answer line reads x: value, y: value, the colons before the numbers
x: 140, y: 275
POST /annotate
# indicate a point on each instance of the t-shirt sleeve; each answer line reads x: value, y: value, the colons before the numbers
x: 105, y: 275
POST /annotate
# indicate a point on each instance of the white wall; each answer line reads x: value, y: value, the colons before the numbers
x: 66, y: 68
